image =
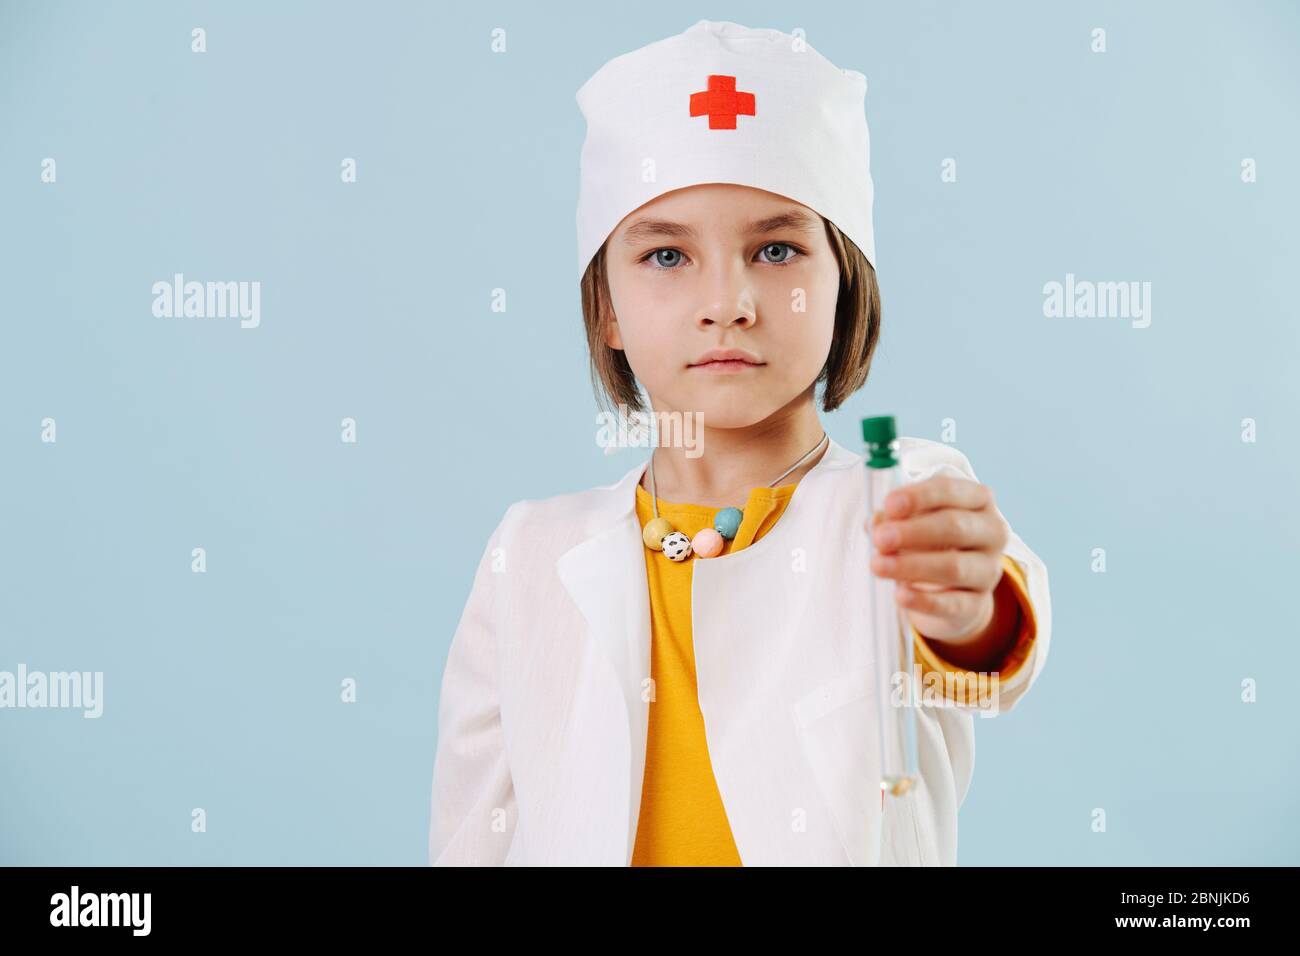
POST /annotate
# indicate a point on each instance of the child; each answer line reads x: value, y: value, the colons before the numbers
x: 675, y: 669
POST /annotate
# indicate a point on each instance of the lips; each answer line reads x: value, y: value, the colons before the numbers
x: 731, y: 358
x: 726, y: 364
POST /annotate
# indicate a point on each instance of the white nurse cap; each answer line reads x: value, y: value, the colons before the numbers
x: 723, y: 103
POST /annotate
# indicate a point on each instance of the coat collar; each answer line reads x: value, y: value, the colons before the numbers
x: 605, y: 575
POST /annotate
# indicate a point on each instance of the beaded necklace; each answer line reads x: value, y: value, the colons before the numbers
x: 660, y: 535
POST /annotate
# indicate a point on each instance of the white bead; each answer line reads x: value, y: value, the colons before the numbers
x: 677, y: 546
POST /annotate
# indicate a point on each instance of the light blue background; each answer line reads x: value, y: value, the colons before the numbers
x: 328, y: 560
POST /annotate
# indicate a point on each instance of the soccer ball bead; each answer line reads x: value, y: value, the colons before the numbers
x: 677, y: 546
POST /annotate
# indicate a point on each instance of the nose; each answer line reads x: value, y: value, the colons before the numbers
x: 728, y: 297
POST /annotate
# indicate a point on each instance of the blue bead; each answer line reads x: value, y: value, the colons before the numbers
x: 727, y: 523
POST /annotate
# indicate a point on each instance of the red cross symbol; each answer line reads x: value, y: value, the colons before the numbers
x: 721, y: 103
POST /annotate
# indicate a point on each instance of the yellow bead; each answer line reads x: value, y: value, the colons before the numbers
x: 655, y: 532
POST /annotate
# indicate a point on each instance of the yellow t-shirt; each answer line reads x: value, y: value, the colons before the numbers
x: 682, y: 820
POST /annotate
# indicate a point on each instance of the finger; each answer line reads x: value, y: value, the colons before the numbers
x: 938, y: 530
x: 946, y: 603
x: 969, y: 570
x: 940, y: 491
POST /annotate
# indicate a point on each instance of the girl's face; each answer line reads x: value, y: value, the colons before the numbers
x: 722, y: 266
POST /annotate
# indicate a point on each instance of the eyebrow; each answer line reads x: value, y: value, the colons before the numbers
x: 644, y: 229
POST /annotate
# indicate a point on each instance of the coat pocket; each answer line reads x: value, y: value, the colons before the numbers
x: 837, y: 732
x: 840, y: 733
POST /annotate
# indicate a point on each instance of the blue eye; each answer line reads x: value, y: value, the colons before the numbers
x: 671, y: 263
x: 779, y: 245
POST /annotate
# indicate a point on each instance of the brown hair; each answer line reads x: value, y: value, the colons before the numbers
x: 857, y: 330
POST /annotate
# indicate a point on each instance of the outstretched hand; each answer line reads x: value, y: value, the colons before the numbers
x: 942, y: 540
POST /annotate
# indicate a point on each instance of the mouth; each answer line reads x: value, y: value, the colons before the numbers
x: 727, y: 365
x: 727, y: 360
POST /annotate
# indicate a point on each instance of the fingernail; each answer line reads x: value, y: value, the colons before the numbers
x: 887, y: 537
x: 896, y: 504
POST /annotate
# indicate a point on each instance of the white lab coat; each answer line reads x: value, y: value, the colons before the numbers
x: 544, y: 708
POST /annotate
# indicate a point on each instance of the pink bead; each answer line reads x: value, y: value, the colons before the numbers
x: 707, y: 543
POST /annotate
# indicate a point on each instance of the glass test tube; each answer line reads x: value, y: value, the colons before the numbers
x: 890, y: 632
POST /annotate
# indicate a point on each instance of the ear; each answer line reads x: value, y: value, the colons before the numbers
x: 613, y: 338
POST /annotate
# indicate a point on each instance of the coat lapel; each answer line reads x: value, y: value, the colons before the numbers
x: 605, y: 576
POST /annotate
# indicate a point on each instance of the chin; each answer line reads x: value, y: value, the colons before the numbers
x: 738, y: 410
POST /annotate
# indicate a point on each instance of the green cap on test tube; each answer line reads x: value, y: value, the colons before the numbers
x: 878, y: 433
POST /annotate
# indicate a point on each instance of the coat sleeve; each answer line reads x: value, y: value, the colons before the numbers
x: 1025, y: 579
x: 474, y: 810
